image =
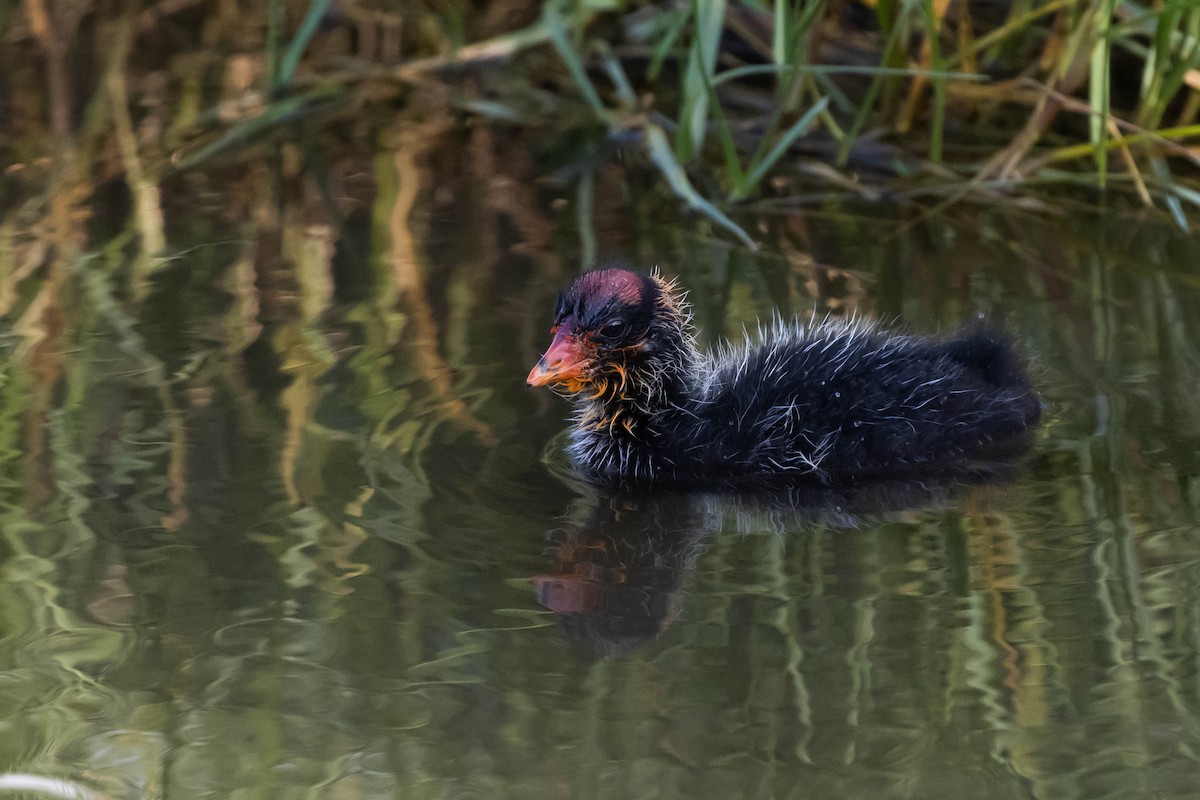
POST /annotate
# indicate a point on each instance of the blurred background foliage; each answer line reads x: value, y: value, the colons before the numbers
x: 924, y: 101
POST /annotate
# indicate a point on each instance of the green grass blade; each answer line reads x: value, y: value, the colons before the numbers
x: 616, y: 73
x: 938, y: 125
x: 584, y: 216
x: 1016, y: 25
x: 823, y: 85
x: 1159, y: 137
x: 1177, y: 212
x: 779, y: 39
x: 556, y: 28
x: 733, y: 161
x: 793, y: 26
x: 1177, y: 52
x: 663, y: 157
x: 800, y: 127
x: 1158, y: 55
x: 1098, y: 87
x: 843, y: 69
x: 1166, y: 181
x: 1184, y: 193
x: 868, y: 102
x: 708, y: 20
x: 289, y: 109
x: 886, y: 12
x: 667, y: 42
x: 317, y: 10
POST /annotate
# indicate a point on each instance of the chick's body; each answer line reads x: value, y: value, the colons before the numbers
x: 829, y: 401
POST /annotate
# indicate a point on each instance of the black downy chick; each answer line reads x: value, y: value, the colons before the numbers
x: 831, y: 400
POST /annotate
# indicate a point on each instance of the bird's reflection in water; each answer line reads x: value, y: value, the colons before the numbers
x: 618, y: 571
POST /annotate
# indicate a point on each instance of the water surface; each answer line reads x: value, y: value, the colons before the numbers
x: 291, y: 525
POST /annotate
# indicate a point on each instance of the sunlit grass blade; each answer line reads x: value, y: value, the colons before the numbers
x: 1175, y: 193
x: 494, y: 111
x: 1177, y: 212
x: 659, y: 150
x: 1162, y: 138
x: 616, y: 73
x: 1190, y: 195
x: 780, y: 39
x: 1165, y: 181
x: 1099, y: 88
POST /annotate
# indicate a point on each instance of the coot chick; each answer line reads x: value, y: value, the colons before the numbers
x: 833, y: 400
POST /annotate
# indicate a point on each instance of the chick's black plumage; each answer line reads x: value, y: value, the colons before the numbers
x: 830, y: 400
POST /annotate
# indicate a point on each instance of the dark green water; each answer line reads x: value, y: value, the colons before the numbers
x: 294, y: 526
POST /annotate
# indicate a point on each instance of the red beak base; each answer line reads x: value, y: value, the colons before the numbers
x: 563, y: 362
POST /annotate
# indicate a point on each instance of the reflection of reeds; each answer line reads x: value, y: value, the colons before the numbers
x: 996, y: 638
x: 421, y: 335
x: 147, y: 218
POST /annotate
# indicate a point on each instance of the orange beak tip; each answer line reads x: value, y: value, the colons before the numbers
x: 538, y: 376
x: 570, y: 375
x: 562, y: 363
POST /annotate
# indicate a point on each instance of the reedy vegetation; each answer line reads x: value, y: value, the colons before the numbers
x: 928, y: 101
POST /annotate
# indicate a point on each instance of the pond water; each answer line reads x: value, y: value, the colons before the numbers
x: 289, y: 523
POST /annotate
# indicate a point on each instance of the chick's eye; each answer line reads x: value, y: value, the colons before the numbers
x: 612, y: 328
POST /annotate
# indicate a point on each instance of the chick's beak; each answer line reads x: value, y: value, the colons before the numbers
x: 564, y: 362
